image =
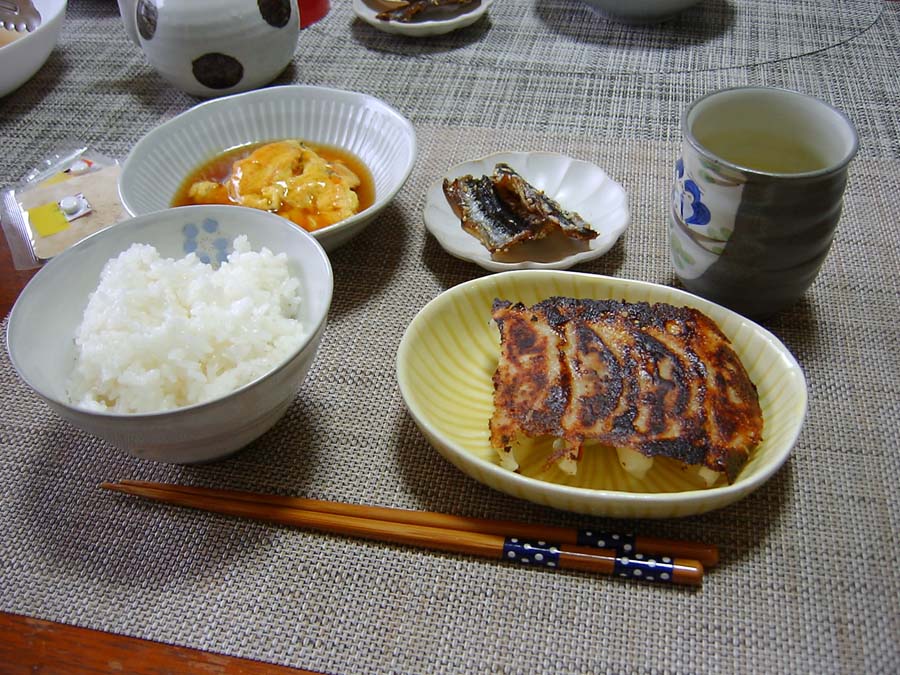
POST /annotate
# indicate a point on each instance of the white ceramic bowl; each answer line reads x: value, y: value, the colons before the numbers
x: 22, y: 58
x: 43, y: 321
x: 367, y: 127
x: 640, y: 11
x: 449, y: 353
x: 575, y: 184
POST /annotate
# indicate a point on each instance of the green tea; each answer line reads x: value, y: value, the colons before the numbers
x: 763, y: 151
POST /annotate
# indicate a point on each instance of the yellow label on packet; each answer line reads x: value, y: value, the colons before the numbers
x: 56, y: 178
x: 47, y: 219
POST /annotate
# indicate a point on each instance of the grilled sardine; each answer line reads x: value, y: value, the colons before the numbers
x: 484, y: 215
x: 531, y: 204
x: 503, y: 210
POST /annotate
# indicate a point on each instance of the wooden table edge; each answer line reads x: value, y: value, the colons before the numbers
x: 29, y: 645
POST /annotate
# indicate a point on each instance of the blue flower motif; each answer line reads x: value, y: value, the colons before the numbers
x: 190, y: 232
x: 199, y: 240
x: 699, y: 212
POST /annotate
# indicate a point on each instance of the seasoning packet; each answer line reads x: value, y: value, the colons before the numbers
x: 70, y: 195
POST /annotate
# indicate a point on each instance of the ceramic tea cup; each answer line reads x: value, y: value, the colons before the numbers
x: 757, y: 195
x: 212, y: 48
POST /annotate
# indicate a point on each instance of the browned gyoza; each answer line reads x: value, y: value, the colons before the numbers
x: 657, y: 379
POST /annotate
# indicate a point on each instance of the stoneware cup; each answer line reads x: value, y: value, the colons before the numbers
x: 212, y: 48
x: 757, y: 195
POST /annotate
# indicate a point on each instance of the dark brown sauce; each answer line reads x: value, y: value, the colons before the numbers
x: 218, y: 170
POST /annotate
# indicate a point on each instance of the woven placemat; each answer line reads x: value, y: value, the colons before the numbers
x: 807, y: 581
x: 570, y: 36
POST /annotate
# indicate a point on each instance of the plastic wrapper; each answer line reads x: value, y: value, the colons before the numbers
x: 69, y: 196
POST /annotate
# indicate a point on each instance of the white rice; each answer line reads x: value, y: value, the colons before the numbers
x: 159, y: 333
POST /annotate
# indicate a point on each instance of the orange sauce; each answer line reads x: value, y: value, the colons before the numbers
x: 8, y: 36
x: 219, y: 169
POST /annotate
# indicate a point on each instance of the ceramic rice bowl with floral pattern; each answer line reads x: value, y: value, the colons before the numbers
x: 43, y: 350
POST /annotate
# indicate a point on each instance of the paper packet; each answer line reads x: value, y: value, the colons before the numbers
x: 72, y: 194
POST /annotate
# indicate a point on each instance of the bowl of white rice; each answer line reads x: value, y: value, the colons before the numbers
x: 180, y: 336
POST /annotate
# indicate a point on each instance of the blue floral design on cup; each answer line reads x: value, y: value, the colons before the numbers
x: 206, y: 242
x: 699, y: 212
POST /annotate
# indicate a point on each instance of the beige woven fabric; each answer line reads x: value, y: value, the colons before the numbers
x: 808, y: 582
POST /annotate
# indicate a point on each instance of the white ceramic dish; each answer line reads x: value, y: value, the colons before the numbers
x: 367, y: 127
x: 577, y: 185
x: 41, y: 344
x: 23, y: 57
x: 449, y: 353
x: 422, y: 27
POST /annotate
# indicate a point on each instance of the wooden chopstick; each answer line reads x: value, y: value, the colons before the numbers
x: 623, y: 544
x: 364, y: 524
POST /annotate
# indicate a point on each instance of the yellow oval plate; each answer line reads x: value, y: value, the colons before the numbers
x: 449, y: 353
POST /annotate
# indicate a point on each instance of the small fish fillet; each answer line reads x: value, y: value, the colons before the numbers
x: 529, y: 203
x: 484, y: 216
x: 503, y: 210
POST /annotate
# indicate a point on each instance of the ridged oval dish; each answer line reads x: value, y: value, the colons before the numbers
x: 449, y: 353
x: 365, y: 126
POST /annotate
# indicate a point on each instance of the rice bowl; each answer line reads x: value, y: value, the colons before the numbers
x: 362, y: 125
x: 42, y: 347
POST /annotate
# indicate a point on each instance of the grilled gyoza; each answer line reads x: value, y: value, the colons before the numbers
x: 648, y: 380
x: 503, y: 210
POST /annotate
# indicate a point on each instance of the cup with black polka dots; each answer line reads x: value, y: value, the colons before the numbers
x: 211, y: 48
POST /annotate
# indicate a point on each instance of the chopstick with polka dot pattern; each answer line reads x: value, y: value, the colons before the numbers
x: 521, y: 543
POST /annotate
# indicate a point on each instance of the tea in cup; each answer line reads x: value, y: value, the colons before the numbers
x: 757, y: 195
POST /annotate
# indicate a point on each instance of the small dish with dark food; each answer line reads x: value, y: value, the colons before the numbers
x: 517, y: 210
x: 420, y: 18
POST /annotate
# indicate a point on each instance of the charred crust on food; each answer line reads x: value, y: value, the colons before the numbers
x: 654, y: 378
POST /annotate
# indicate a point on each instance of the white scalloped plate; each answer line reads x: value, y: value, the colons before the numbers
x: 372, y: 130
x: 422, y: 27
x: 448, y: 355
x: 577, y: 185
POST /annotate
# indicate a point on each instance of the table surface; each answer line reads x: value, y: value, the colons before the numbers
x: 808, y: 580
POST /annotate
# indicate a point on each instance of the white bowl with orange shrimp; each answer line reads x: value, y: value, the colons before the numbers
x: 346, y: 129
